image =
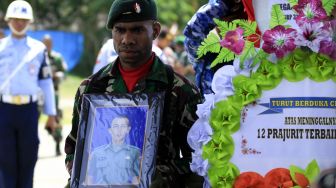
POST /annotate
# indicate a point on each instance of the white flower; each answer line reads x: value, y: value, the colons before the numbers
x: 199, y: 165
x: 204, y: 109
x: 222, y: 82
x: 311, y: 35
x: 199, y: 134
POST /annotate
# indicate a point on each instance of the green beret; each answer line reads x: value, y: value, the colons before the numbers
x: 130, y: 11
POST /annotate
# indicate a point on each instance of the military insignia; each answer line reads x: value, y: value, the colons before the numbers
x: 24, y: 10
x: 137, y: 8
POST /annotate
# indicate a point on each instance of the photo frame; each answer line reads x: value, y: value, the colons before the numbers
x: 116, y: 140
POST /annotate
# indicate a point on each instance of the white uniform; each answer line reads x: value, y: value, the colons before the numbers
x: 34, y: 75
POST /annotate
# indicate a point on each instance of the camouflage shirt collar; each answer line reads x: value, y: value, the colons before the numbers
x: 157, y: 72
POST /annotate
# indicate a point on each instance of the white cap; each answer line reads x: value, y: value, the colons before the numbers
x: 19, y: 9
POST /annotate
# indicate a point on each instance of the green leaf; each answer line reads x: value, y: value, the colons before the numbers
x: 268, y: 75
x: 293, y: 2
x: 321, y: 67
x: 210, y: 44
x: 293, y: 170
x: 220, y: 149
x: 246, y: 89
x: 277, y: 16
x: 224, y: 26
x: 223, y: 176
x: 328, y: 5
x: 259, y: 57
x: 248, y: 26
x: 312, y: 171
x: 248, y: 52
x: 225, y: 55
x: 226, y: 116
x: 294, y: 65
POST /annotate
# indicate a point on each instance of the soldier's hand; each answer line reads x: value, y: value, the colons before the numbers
x: 51, y: 124
x: 68, y: 166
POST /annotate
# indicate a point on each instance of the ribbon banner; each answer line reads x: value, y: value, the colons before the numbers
x: 276, y: 105
x: 303, y: 132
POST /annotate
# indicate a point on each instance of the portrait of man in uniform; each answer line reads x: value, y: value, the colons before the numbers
x: 117, y: 141
x: 118, y: 162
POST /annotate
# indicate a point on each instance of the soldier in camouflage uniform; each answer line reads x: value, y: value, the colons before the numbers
x: 137, y: 69
x: 58, y: 67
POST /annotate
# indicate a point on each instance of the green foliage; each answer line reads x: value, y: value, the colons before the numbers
x: 225, y: 55
x: 226, y: 116
x: 210, y: 44
x: 248, y: 26
x: 268, y: 75
x: 293, y: 2
x: 311, y: 172
x: 224, y: 26
x: 321, y: 69
x: 277, y: 16
x: 248, y: 52
x: 260, y: 55
x: 246, y: 89
x: 328, y: 5
x: 176, y: 11
x: 295, y: 169
x: 223, y: 175
x: 219, y: 149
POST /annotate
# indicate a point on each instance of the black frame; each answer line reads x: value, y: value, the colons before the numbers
x: 91, y: 102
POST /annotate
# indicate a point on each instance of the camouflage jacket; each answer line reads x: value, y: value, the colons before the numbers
x: 178, y: 116
x: 57, y: 64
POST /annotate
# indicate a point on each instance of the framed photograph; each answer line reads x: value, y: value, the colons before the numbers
x: 117, y: 139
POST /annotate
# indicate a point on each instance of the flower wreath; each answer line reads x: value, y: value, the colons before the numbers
x: 286, y: 53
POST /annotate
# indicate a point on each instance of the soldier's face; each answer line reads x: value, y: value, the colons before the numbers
x: 48, y: 44
x: 18, y: 26
x: 133, y: 42
x: 119, y: 130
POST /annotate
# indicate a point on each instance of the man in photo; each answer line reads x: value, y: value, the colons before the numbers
x: 116, y: 163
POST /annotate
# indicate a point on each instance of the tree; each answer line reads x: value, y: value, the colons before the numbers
x: 89, y: 17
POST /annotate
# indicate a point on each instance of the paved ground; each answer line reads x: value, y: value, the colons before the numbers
x: 50, y: 170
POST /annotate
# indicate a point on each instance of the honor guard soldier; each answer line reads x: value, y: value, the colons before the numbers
x: 58, y: 68
x: 137, y: 69
x: 24, y: 71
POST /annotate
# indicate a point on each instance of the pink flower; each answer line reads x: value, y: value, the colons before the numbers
x: 311, y: 36
x: 234, y: 40
x: 328, y: 45
x: 279, y: 40
x: 310, y: 11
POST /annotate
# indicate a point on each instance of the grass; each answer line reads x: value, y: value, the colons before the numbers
x: 67, y: 91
